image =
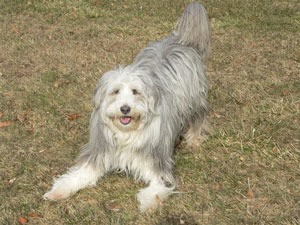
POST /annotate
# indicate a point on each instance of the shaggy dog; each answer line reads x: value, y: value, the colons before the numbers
x: 141, y: 111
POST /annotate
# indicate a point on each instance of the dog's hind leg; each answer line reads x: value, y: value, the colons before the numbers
x: 197, y: 132
x: 78, y: 177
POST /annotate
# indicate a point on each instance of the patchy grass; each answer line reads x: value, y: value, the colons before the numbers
x: 53, y: 52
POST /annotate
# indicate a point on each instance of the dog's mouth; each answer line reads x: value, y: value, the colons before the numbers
x: 125, y: 120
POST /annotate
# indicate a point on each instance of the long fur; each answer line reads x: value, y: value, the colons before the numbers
x: 166, y: 88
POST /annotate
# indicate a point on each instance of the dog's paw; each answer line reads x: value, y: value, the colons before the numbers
x: 194, y: 143
x: 147, y: 202
x: 153, y: 197
x: 55, y: 195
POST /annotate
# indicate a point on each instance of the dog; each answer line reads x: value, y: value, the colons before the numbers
x: 143, y: 109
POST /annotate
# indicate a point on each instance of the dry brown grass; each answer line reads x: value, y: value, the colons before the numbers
x: 53, y: 52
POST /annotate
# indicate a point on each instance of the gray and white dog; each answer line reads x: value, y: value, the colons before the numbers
x: 141, y: 110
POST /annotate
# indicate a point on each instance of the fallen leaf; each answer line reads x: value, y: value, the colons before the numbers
x: 5, y: 123
x: 34, y: 215
x: 97, y: 2
x: 73, y: 116
x: 8, y: 94
x: 30, y: 127
x: 22, y: 117
x: 112, y: 206
x: 56, y: 84
x: 1, y: 114
x: 218, y: 186
x: 12, y: 180
x: 250, y: 193
x: 22, y: 220
x: 285, y: 92
x: 254, y: 58
x: 217, y: 115
x: 181, y: 221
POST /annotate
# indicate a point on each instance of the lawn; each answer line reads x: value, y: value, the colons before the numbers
x: 52, y: 54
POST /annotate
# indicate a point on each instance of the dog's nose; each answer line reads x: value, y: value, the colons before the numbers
x: 125, y: 109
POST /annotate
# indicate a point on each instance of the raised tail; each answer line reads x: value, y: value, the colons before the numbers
x: 193, y: 28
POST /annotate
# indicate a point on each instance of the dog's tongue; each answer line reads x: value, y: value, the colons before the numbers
x: 125, y: 120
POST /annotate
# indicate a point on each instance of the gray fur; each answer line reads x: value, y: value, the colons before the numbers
x: 193, y: 29
x: 173, y: 76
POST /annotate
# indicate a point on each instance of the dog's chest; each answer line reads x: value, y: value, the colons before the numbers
x: 126, y: 141
x: 128, y: 154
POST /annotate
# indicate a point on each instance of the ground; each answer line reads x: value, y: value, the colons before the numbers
x: 53, y: 52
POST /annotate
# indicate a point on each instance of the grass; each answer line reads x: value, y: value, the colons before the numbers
x: 53, y: 52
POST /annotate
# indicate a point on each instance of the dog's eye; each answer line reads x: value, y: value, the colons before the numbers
x: 135, y: 92
x: 115, y: 92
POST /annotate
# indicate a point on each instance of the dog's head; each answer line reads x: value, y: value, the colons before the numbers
x: 126, y: 98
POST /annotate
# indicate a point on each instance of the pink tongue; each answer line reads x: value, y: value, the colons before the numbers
x: 125, y: 120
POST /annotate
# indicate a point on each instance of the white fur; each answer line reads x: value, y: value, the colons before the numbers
x: 69, y: 183
x: 164, y: 92
x: 153, y: 195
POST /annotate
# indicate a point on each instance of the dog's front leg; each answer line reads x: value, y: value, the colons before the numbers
x: 153, y: 195
x: 78, y: 177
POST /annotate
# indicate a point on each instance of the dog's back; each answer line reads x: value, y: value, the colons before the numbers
x: 176, y: 63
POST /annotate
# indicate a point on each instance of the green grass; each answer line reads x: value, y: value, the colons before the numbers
x: 52, y: 54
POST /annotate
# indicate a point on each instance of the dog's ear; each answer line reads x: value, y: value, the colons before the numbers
x: 153, y: 100
x: 101, y: 89
x: 152, y: 94
x: 99, y: 94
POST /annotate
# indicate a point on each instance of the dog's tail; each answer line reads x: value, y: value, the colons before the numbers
x: 193, y: 28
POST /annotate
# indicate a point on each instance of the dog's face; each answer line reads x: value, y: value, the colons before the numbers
x: 127, y: 102
x: 125, y: 105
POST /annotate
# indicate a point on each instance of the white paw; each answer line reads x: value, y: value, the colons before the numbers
x: 69, y: 183
x: 153, y: 196
x: 56, y: 194
x: 62, y: 188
